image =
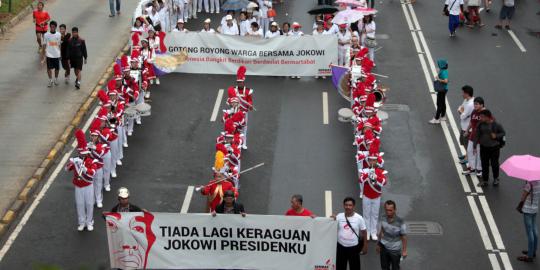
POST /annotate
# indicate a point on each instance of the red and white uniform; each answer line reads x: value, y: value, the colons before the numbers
x: 83, y: 174
x: 372, y: 180
x: 148, y: 57
x: 214, y: 191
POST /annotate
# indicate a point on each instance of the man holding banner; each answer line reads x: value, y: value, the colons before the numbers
x: 351, y: 238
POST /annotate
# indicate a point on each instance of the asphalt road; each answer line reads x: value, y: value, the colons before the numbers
x: 174, y: 147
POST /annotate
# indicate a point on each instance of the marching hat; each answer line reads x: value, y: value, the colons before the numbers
x: 374, y: 150
x: 343, y: 25
x: 81, y: 142
x: 102, y: 114
x: 229, y: 128
x: 125, y: 63
x: 370, y: 103
x: 135, y: 56
x: 241, y: 74
x: 103, y: 97
x: 362, y: 53
x: 117, y: 72
x: 95, y: 127
x: 123, y: 193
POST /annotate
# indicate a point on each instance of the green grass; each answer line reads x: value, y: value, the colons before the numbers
x: 16, y: 7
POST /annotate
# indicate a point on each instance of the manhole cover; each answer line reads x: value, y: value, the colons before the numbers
x: 424, y: 228
x: 396, y: 107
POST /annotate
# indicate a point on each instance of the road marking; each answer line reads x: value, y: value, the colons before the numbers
x: 480, y: 9
x: 216, y: 106
x: 328, y: 203
x: 480, y: 223
x: 494, y: 261
x: 491, y: 222
x: 505, y: 260
x: 325, y: 107
x: 516, y: 40
x: 187, y: 200
x: 13, y: 236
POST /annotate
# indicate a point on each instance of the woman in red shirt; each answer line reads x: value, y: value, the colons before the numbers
x: 41, y: 19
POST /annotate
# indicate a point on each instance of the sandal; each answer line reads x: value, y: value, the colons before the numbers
x: 525, y: 258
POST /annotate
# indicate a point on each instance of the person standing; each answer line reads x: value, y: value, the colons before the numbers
x: 393, y: 235
x: 244, y: 24
x: 490, y: 136
x: 369, y: 36
x: 63, y: 52
x: 344, y: 44
x: 273, y: 32
x: 465, y: 111
x: 530, y: 198
x: 255, y: 31
x: 473, y: 157
x: 352, y: 236
x: 229, y: 205
x: 264, y: 20
x: 452, y: 9
x: 51, y: 52
x: 123, y: 203
x: 372, y: 180
x: 506, y: 14
x: 112, y: 8
x: 76, y: 53
x: 297, y: 208
x: 442, y: 77
x: 473, y: 6
x: 41, y: 19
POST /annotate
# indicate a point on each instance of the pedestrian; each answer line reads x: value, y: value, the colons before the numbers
x: 76, y: 53
x: 51, y: 52
x: 369, y: 36
x: 297, y: 208
x: 528, y: 205
x: 452, y: 9
x: 231, y: 14
x: 180, y: 26
x: 63, y: 52
x: 344, y: 44
x: 506, y: 14
x: 442, y: 77
x: 285, y: 29
x: 490, y: 135
x: 244, y: 24
x: 264, y: 20
x: 206, y: 27
x: 230, y: 28
x: 393, y: 234
x: 273, y: 32
x: 487, y: 5
x: 114, y: 10
x: 473, y: 7
x: 41, y: 19
x: 255, y: 31
x: 154, y: 16
x: 473, y: 157
x: 465, y: 111
x: 123, y: 203
x: 296, y: 29
x: 229, y: 205
x: 214, y: 6
x: 351, y: 236
x: 164, y: 16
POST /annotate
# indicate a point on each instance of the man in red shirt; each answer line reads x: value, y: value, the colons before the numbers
x: 41, y: 19
x: 297, y: 209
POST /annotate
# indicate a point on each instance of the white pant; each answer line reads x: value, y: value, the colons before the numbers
x: 114, y: 154
x: 371, y: 54
x: 192, y: 9
x: 107, y: 167
x: 244, y: 130
x: 370, y: 211
x: 343, y: 53
x: 98, y: 185
x: 473, y: 160
x: 264, y: 24
x: 84, y: 200
x: 214, y: 5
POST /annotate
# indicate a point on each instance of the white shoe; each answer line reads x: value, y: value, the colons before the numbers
x: 50, y: 83
x: 316, y: 77
x: 118, y: 163
x: 443, y: 118
x: 90, y: 228
x: 361, y: 196
x: 244, y: 147
x: 80, y: 228
x: 113, y: 174
x: 125, y: 144
x: 324, y: 77
x: 129, y: 134
x: 368, y: 237
x: 67, y: 80
x: 157, y: 81
x: 55, y: 81
x: 374, y: 237
x: 138, y: 121
x: 99, y: 205
x: 147, y: 95
x: 434, y: 121
x: 107, y: 188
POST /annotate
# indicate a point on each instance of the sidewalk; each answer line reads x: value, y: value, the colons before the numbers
x: 32, y: 116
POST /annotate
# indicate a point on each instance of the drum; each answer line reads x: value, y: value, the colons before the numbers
x: 345, y: 115
x: 143, y: 109
x: 130, y: 113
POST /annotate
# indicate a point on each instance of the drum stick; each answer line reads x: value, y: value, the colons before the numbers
x: 223, y: 179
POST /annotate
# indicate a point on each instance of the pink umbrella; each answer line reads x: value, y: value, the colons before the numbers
x: 347, y: 16
x: 524, y: 167
x: 353, y: 3
x: 366, y: 11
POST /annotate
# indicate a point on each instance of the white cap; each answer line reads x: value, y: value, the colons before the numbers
x: 274, y: 24
x: 228, y: 17
x: 180, y: 21
x: 123, y: 193
x: 207, y: 20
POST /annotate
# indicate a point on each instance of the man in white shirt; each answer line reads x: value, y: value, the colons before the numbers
x: 230, y: 13
x: 229, y: 28
x: 51, y: 51
x: 273, y: 32
x: 244, y: 24
x: 453, y: 7
x: 344, y: 44
x: 352, y: 236
x: 206, y: 27
x: 255, y: 31
x: 465, y: 112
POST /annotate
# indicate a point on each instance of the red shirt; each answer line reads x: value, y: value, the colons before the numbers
x: 304, y: 213
x: 41, y: 17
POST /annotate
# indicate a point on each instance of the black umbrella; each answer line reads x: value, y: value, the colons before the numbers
x: 323, y: 9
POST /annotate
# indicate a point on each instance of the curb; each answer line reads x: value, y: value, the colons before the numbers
x: 15, y: 20
x: 31, y: 186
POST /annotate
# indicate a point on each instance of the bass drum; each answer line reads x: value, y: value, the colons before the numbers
x: 143, y: 109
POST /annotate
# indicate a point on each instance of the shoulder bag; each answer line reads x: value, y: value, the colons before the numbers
x: 446, y: 11
x: 360, y: 242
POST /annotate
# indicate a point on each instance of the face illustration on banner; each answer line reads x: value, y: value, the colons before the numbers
x: 131, y: 248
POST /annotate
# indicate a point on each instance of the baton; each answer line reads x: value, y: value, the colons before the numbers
x: 223, y: 179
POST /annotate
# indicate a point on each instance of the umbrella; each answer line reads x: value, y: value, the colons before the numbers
x: 354, y: 3
x: 347, y: 16
x: 366, y: 11
x: 524, y: 167
x: 235, y: 4
x: 252, y: 5
x: 323, y: 9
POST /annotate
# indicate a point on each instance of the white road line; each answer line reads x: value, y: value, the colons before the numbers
x: 187, y: 200
x: 480, y: 223
x: 216, y: 106
x: 494, y: 262
x: 328, y: 203
x: 13, y: 236
x: 516, y: 40
x: 491, y: 222
x: 480, y: 9
x: 505, y: 260
x: 325, y: 107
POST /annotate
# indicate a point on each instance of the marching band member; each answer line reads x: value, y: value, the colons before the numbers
x: 148, y: 56
x: 215, y: 189
x: 101, y: 151
x: 372, y: 179
x: 244, y: 96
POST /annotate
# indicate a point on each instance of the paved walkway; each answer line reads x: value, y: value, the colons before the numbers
x: 32, y: 116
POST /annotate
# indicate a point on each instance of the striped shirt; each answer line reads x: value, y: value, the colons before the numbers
x: 531, y: 202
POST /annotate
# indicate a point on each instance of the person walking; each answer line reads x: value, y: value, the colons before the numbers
x: 452, y: 9
x: 76, y: 53
x: 506, y: 14
x: 229, y: 205
x: 393, y: 235
x: 473, y: 157
x: 63, y: 52
x: 51, y: 53
x: 123, y: 203
x: 352, y: 236
x: 297, y: 208
x: 442, y: 77
x: 473, y: 7
x: 528, y: 205
x: 114, y: 10
x: 490, y: 136
x: 465, y: 111
x: 41, y: 19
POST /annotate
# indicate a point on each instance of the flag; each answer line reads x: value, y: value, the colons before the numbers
x: 339, y: 79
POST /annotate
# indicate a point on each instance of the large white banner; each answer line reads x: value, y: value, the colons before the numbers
x: 200, y: 241
x: 279, y: 56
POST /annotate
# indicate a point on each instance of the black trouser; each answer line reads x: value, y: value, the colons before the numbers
x: 441, y: 104
x: 489, y: 156
x: 350, y: 255
x: 389, y: 259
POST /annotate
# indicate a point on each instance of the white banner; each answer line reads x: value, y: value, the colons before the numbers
x: 279, y: 56
x: 200, y: 241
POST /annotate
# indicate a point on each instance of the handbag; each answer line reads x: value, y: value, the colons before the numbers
x: 438, y: 86
x: 371, y: 42
x: 360, y: 245
x: 271, y: 13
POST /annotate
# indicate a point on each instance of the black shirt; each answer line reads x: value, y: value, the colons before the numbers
x: 238, y: 208
x: 76, y: 48
x: 131, y: 208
